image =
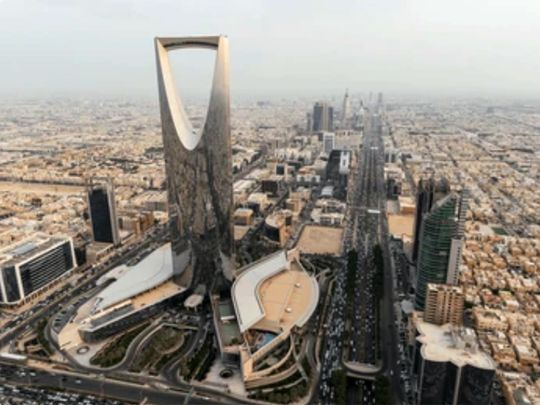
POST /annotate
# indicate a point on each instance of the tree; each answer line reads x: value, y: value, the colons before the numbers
x: 383, y: 391
x: 339, y: 382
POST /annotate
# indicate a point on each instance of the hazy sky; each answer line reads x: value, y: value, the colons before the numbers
x: 278, y: 47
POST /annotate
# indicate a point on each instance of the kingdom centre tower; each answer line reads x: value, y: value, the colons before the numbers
x: 198, y: 167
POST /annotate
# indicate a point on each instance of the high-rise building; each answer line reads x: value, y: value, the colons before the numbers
x: 337, y: 170
x: 457, y: 241
x: 309, y: 122
x: 323, y: 117
x: 439, y: 229
x: 449, y: 367
x: 380, y: 107
x: 329, y: 142
x: 428, y: 193
x: 102, y: 210
x: 32, y: 265
x: 444, y: 304
x: 199, y: 169
x: 359, y: 118
x: 345, y: 110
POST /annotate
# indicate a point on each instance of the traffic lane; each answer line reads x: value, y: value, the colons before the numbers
x: 106, y: 388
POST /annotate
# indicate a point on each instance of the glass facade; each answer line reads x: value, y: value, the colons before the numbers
x: 452, y: 372
x: 433, y: 382
x: 199, y: 169
x: 100, y: 214
x: 438, y: 384
x: 429, y: 192
x: 438, y: 228
x: 46, y: 267
x: 10, y: 283
x: 475, y: 386
x: 323, y: 117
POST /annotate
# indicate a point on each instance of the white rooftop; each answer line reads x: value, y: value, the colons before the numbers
x: 443, y: 343
x: 151, y: 271
x: 248, y: 307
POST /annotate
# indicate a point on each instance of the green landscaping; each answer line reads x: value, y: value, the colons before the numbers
x: 40, y: 329
x: 383, y: 391
x: 161, y: 343
x: 115, y: 351
x: 199, y: 364
x: 290, y: 389
x: 158, y: 366
x: 283, y: 395
x: 499, y: 230
x: 339, y: 382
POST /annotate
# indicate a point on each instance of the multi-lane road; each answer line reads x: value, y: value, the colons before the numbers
x: 19, y: 375
x: 371, y: 333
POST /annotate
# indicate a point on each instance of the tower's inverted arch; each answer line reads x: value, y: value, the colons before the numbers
x: 198, y: 167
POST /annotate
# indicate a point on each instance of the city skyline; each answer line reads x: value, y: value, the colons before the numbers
x: 339, y: 207
x: 280, y: 50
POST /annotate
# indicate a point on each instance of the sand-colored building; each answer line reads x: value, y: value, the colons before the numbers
x: 444, y: 304
x: 273, y: 299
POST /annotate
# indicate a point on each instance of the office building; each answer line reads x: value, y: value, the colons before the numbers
x: 444, y: 304
x: 278, y: 226
x: 102, y: 211
x: 429, y: 191
x: 438, y: 233
x: 309, y: 122
x: 456, y: 248
x: 448, y: 366
x: 329, y: 142
x: 323, y: 117
x: 31, y: 266
x: 198, y: 166
x: 337, y: 171
x: 273, y: 185
x: 345, y: 110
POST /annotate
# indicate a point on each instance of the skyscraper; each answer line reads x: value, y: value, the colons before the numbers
x: 329, y: 142
x: 199, y: 168
x: 457, y: 240
x: 323, y: 117
x: 102, y: 210
x: 449, y: 367
x: 438, y: 233
x: 428, y: 193
x: 309, y: 122
x: 345, y: 110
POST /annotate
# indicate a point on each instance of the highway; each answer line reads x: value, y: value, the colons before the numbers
x: 365, y: 334
x: 367, y: 202
x: 98, y: 387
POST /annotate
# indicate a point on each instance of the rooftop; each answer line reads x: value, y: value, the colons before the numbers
x: 316, y: 239
x: 244, y: 290
x: 153, y: 270
x: 448, y: 343
x: 27, y: 248
x: 274, y: 293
